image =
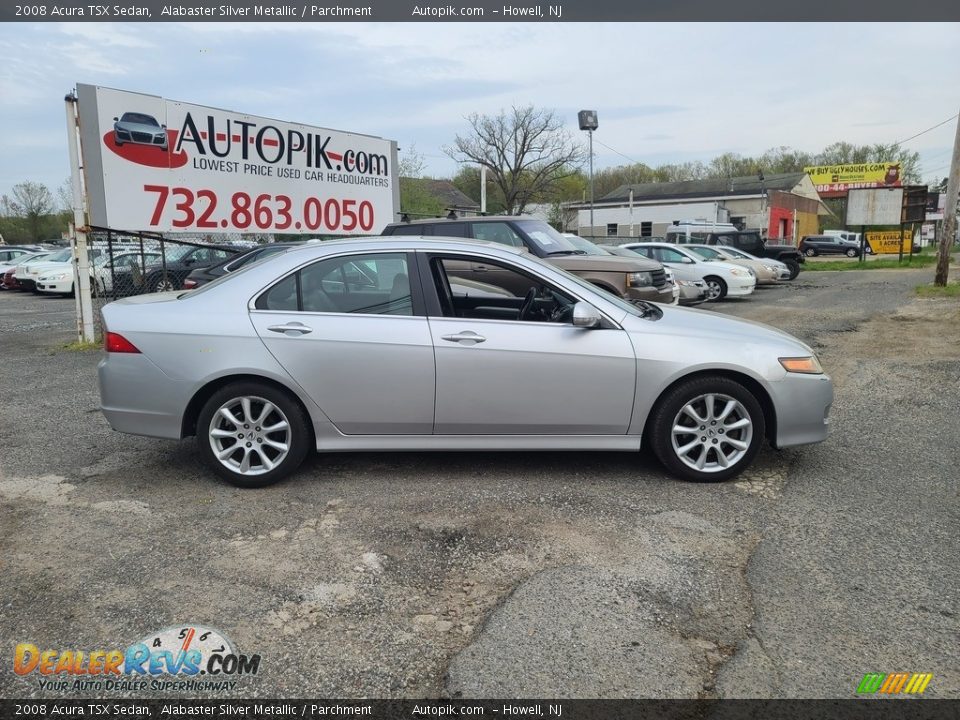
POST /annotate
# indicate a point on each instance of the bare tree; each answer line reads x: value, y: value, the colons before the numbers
x: 527, y: 151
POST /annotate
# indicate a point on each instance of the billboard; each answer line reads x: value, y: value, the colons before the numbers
x: 837, y: 180
x: 874, y: 207
x: 167, y: 166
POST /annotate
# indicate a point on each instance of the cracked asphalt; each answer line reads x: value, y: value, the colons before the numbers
x: 510, y: 574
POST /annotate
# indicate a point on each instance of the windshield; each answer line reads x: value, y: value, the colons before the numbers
x: 547, y: 239
x: 707, y: 253
x: 265, y: 257
x: 60, y: 256
x: 588, y: 247
x: 139, y: 118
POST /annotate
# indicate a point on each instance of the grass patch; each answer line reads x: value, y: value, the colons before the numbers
x: 950, y: 290
x: 81, y: 346
x: 917, y: 261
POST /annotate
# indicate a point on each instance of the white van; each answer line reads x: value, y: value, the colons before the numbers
x: 696, y: 231
x: 844, y: 235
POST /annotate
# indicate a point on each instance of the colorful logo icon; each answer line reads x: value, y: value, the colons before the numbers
x: 894, y: 683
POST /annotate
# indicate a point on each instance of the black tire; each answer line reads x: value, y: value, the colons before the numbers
x: 794, y: 268
x: 298, y: 441
x: 158, y: 284
x: 664, y: 417
x: 716, y: 288
x: 851, y: 253
x: 810, y: 252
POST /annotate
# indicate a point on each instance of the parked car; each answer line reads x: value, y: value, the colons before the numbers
x: 27, y: 273
x: 202, y: 275
x: 180, y: 261
x: 813, y: 245
x: 104, y: 271
x: 10, y: 253
x: 720, y: 279
x: 747, y: 240
x: 9, y: 282
x: 365, y: 345
x: 628, y: 278
x: 783, y: 270
x: 12, y: 263
x: 766, y: 274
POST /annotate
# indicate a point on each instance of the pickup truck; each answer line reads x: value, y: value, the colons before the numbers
x: 749, y: 241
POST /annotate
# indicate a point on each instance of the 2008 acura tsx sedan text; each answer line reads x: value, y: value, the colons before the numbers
x: 410, y: 343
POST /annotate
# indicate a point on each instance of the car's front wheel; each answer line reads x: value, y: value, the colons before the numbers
x: 162, y: 284
x: 851, y: 252
x: 707, y: 429
x: 809, y: 252
x: 252, y: 434
x: 716, y: 288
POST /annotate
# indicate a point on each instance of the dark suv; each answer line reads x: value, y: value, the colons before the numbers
x: 629, y: 278
x: 812, y: 245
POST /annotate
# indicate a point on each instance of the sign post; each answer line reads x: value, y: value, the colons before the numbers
x: 81, y: 259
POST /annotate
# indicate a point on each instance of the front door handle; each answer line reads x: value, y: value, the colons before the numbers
x: 291, y: 327
x: 466, y: 337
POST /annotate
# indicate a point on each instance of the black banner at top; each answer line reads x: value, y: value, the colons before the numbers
x: 324, y: 11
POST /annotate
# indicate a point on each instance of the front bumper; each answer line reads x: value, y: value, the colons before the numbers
x: 802, y: 403
x: 55, y: 286
x: 652, y: 293
x: 739, y: 286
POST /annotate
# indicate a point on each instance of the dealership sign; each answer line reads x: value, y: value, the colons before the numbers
x: 157, y: 164
x: 837, y: 180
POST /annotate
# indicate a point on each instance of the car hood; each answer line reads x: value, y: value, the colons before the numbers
x: 603, y: 263
x: 720, y: 265
x: 708, y: 325
x: 45, y: 266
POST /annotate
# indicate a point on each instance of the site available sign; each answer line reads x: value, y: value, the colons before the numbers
x: 890, y: 241
x: 838, y: 180
x: 166, y: 166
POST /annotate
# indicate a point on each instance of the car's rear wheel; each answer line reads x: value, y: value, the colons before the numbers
x: 794, y: 267
x: 716, y: 288
x: 163, y: 284
x: 252, y: 434
x: 707, y: 429
x: 809, y: 252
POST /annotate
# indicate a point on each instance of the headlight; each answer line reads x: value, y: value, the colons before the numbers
x: 686, y: 283
x: 807, y: 365
x: 770, y: 268
x: 60, y: 276
x: 640, y: 279
x: 740, y: 272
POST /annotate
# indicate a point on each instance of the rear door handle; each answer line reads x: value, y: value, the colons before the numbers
x: 292, y: 328
x: 466, y: 337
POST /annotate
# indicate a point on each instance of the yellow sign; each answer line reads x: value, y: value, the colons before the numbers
x: 834, y: 180
x: 889, y: 241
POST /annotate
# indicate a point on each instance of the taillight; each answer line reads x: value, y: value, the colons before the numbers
x: 189, y: 284
x: 114, y: 342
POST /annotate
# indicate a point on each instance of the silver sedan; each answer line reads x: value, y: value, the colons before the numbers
x: 423, y: 344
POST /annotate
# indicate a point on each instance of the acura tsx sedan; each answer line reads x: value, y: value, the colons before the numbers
x: 412, y: 343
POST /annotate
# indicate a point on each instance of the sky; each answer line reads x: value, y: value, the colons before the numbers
x: 663, y: 92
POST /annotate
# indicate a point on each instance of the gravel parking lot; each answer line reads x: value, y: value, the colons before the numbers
x: 490, y: 575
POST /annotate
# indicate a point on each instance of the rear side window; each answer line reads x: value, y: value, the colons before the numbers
x: 425, y: 229
x: 498, y: 232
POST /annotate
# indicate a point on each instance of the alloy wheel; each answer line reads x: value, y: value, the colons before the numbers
x: 249, y: 435
x: 712, y: 432
x: 713, y: 290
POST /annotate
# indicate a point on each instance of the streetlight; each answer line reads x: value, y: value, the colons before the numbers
x: 588, y: 122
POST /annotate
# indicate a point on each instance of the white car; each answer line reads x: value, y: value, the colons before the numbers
x: 721, y: 279
x: 21, y: 259
x: 27, y: 273
x: 59, y: 280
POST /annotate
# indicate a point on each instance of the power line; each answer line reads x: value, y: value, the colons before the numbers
x: 636, y: 162
x: 952, y: 117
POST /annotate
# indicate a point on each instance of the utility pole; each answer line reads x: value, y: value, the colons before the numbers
x: 949, y: 215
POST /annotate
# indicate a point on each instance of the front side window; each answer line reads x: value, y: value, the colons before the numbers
x: 373, y: 284
x: 494, y: 291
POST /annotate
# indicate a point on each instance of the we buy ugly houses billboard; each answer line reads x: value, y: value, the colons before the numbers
x: 166, y: 166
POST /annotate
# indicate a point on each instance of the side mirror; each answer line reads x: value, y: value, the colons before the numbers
x: 116, y: 119
x: 585, y: 315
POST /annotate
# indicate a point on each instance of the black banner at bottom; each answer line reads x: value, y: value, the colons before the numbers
x: 873, y: 709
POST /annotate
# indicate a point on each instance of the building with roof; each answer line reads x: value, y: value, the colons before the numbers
x: 784, y: 205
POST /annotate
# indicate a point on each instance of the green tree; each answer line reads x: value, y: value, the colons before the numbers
x: 32, y: 203
x: 415, y: 196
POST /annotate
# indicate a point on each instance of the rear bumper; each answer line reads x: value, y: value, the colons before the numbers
x: 129, y: 385
x: 802, y: 405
